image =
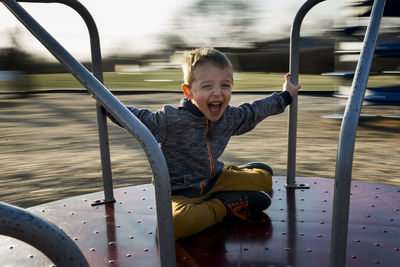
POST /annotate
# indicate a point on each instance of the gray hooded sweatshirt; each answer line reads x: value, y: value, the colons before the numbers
x: 192, y: 145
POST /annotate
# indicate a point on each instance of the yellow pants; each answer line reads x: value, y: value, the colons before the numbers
x: 192, y: 215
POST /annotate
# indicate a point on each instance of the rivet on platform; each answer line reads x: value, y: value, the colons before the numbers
x: 129, y: 255
x: 11, y: 247
x: 146, y: 249
x: 131, y: 237
x: 319, y: 235
x: 92, y: 249
x: 377, y: 244
x: 111, y: 261
x: 96, y: 232
x: 396, y: 249
x: 353, y: 256
x: 377, y: 261
x: 309, y: 250
x: 111, y: 243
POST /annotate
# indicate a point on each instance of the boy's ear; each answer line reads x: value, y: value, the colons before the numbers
x: 186, y: 91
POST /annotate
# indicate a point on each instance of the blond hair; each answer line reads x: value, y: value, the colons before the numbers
x: 199, y: 56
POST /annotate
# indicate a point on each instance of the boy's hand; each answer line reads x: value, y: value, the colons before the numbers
x: 289, y: 86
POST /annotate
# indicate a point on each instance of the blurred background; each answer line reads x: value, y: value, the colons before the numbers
x: 49, y: 141
x: 152, y: 35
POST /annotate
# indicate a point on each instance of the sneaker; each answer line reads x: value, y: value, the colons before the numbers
x: 242, y: 203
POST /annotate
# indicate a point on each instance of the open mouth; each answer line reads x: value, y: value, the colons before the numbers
x: 215, y: 107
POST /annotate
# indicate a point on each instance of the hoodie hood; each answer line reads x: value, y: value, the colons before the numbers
x: 188, y: 105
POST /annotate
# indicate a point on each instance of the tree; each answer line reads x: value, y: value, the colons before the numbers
x: 216, y: 22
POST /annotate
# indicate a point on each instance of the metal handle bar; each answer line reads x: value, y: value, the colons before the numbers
x: 126, y: 119
x: 344, y: 160
x: 41, y: 234
x: 98, y: 73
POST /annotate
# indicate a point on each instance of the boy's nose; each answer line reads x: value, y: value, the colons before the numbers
x: 217, y: 91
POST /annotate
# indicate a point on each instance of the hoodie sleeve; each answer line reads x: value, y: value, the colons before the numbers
x: 247, y: 116
x: 154, y: 121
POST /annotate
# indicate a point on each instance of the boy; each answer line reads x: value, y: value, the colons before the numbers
x: 194, y: 136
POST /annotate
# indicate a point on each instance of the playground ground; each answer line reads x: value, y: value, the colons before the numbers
x: 49, y: 144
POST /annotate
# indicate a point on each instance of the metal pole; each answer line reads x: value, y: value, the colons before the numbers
x: 294, y: 75
x: 41, y: 234
x: 98, y: 73
x: 341, y: 201
x: 150, y: 146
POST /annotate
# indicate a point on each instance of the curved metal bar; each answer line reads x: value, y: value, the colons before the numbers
x: 41, y: 234
x: 294, y: 75
x: 344, y: 161
x: 126, y: 119
x: 98, y: 73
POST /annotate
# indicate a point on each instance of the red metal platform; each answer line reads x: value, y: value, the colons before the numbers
x: 294, y: 231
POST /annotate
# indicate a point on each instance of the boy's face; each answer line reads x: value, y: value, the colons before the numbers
x: 210, y: 90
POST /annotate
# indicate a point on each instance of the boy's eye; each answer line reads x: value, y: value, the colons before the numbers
x: 226, y: 85
x: 207, y: 86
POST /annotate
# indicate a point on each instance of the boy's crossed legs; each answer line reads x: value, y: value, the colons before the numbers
x: 192, y: 215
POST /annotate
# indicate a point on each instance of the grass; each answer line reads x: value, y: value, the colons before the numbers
x: 171, y: 79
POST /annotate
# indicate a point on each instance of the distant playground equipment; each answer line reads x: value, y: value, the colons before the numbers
x: 387, y: 51
x: 308, y: 223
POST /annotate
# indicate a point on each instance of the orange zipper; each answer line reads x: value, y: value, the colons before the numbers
x: 209, y: 150
x: 209, y: 156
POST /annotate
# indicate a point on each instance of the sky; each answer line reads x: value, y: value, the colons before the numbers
x: 132, y: 26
